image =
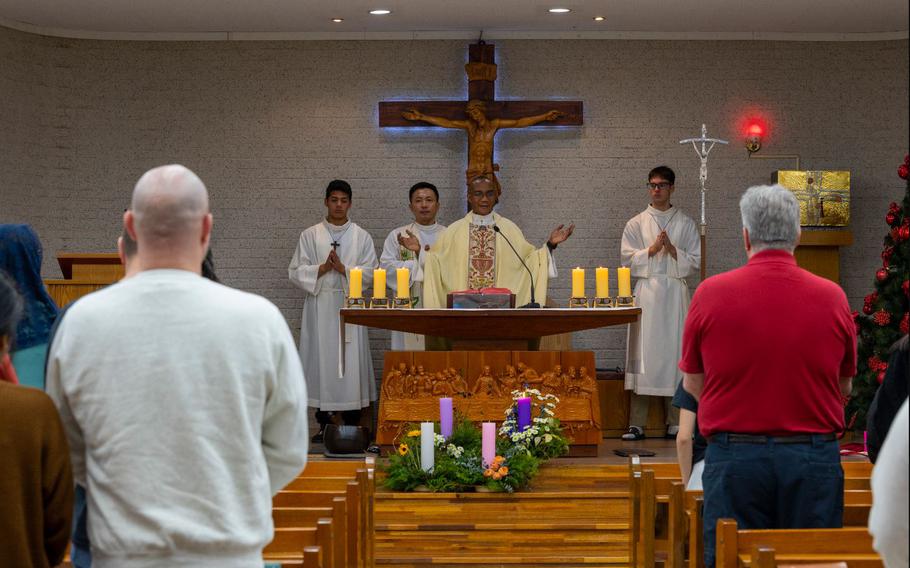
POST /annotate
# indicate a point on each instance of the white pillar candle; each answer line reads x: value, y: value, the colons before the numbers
x: 427, y: 437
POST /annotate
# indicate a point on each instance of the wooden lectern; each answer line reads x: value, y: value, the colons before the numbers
x: 83, y: 273
x: 819, y: 251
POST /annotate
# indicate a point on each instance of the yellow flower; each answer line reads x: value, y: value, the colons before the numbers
x: 413, y: 433
x: 403, y: 449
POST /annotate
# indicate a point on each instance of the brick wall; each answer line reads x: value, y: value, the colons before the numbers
x: 267, y: 124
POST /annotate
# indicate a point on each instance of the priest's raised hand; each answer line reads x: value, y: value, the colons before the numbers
x: 560, y: 234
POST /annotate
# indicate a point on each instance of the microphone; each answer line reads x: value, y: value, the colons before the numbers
x: 533, y: 303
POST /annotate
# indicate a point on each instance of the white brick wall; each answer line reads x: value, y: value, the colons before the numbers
x: 267, y: 124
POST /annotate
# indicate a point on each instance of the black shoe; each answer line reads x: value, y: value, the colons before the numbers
x: 319, y: 437
x: 634, y: 433
x: 374, y: 449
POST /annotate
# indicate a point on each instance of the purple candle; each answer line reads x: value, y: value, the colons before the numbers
x: 445, y: 417
x: 488, y: 447
x: 866, y: 442
x: 524, y: 413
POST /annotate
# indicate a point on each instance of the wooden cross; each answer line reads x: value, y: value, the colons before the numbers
x: 481, y: 71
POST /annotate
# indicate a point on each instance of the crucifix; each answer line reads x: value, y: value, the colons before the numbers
x: 707, y: 144
x: 482, y: 115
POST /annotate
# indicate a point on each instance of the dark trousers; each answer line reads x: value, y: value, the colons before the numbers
x: 80, y: 553
x: 348, y: 417
x: 772, y: 486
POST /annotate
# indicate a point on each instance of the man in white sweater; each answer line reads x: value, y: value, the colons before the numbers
x: 183, y: 400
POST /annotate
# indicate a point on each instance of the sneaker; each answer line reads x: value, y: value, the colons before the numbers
x: 319, y: 437
x: 672, y: 431
x: 634, y: 433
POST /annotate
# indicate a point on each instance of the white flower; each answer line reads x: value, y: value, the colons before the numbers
x: 548, y: 438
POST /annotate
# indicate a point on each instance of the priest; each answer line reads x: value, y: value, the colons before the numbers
x: 321, y: 267
x: 406, y: 247
x: 475, y: 252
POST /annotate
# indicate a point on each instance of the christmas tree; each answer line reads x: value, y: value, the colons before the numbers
x: 884, y: 317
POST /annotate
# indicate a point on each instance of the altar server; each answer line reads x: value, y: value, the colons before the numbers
x: 321, y: 267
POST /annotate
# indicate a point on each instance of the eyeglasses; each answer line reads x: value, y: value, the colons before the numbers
x: 478, y: 194
x: 661, y: 185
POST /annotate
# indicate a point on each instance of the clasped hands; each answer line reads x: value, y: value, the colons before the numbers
x: 662, y: 242
x: 333, y: 262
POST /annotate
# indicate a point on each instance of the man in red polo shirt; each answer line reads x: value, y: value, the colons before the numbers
x: 770, y: 351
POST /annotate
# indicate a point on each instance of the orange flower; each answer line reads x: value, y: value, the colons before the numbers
x: 488, y: 473
x: 498, y: 460
x: 503, y: 471
x: 403, y: 449
x: 497, y: 475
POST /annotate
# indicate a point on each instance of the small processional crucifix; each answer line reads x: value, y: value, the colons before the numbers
x: 707, y: 144
x: 482, y: 115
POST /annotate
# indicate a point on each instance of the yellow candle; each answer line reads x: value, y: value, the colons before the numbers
x: 356, y: 283
x: 379, y: 283
x: 603, y: 282
x: 403, y: 279
x: 624, y: 276
x: 578, y: 282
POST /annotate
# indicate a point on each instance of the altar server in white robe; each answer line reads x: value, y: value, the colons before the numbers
x: 662, y: 247
x: 405, y: 247
x: 321, y: 267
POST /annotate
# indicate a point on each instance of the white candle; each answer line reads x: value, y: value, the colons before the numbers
x: 427, y: 437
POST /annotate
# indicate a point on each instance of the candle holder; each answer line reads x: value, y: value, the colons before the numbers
x: 356, y: 303
x: 379, y: 303
x: 625, y: 301
x: 401, y: 303
x: 602, y: 302
x: 578, y: 302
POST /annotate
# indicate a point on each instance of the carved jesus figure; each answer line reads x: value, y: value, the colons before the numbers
x: 481, y: 131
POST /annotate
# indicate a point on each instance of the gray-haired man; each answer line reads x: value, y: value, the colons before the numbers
x: 770, y: 351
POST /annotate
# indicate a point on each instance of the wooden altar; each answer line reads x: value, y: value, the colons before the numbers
x: 83, y: 273
x: 819, y: 251
x: 492, y: 360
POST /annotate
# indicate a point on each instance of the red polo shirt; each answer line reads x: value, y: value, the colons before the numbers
x: 772, y: 341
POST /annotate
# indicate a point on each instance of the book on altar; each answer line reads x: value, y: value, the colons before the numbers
x: 482, y: 299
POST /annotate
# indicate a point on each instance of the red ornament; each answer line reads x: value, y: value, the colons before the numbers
x: 870, y: 298
x: 894, y: 207
x: 882, y: 317
x: 887, y: 252
x: 904, y: 232
x: 881, y: 275
x: 905, y: 323
x: 906, y: 287
x: 896, y: 234
x: 907, y: 159
x: 868, y: 309
x: 876, y: 364
x: 880, y: 377
x: 903, y: 170
x: 885, y: 264
x: 890, y: 218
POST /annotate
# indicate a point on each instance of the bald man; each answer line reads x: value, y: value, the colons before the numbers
x: 183, y: 400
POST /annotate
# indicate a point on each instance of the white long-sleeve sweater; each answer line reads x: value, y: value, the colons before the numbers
x: 185, y: 408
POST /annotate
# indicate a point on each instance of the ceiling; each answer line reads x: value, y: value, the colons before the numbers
x: 311, y: 19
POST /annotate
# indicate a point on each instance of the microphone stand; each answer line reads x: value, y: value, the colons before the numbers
x: 533, y: 303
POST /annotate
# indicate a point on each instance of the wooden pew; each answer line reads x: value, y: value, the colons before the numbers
x: 289, y: 544
x: 854, y: 545
x: 324, y: 485
x: 764, y: 557
x: 857, y: 504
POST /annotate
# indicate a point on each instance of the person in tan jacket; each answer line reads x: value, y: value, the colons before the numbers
x: 36, y: 480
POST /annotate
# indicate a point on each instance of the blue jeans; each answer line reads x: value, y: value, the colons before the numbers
x: 80, y: 553
x: 772, y: 486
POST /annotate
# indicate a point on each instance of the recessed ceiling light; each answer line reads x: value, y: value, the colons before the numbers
x: 380, y: 12
x: 559, y: 10
x: 337, y: 20
x: 599, y: 18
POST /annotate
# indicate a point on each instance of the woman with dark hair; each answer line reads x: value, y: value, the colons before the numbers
x: 36, y: 479
x: 20, y: 257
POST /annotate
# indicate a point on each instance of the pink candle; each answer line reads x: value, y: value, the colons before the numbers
x: 445, y: 417
x: 866, y: 442
x: 524, y: 413
x: 488, y: 449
